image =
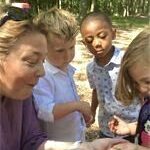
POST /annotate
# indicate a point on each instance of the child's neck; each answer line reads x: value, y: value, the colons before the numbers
x: 102, y: 61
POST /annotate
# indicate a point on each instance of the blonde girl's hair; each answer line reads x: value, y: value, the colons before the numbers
x: 59, y: 22
x: 137, y: 52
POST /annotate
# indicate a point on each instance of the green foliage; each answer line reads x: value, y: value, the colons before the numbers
x: 130, y: 22
x: 124, y: 12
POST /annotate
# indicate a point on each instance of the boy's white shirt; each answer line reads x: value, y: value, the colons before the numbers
x: 58, y: 87
x: 104, y: 79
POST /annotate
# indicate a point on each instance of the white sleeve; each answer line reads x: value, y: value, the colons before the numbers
x: 44, y: 99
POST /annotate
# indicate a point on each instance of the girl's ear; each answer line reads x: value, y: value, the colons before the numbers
x: 113, y: 33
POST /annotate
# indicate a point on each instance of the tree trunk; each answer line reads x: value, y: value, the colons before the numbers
x: 8, y: 1
x: 93, y: 5
x: 83, y: 8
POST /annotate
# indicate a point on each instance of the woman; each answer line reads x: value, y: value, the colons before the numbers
x: 23, y: 47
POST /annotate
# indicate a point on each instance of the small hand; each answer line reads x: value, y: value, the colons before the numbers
x: 93, y: 118
x: 88, y: 120
x: 118, y: 126
x: 85, y: 109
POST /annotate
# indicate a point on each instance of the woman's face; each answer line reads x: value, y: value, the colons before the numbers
x: 141, y: 75
x: 23, y: 66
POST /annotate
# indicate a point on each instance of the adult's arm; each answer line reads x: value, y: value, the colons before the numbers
x: 32, y: 136
x: 128, y: 146
x: 100, y: 144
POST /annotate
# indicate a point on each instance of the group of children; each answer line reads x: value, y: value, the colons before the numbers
x: 62, y: 115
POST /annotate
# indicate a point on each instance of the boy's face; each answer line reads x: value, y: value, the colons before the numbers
x: 60, y: 51
x: 97, y: 36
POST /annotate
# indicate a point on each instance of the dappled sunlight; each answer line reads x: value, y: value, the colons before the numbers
x: 124, y: 37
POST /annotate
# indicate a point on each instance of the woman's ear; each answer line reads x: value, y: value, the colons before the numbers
x: 113, y: 33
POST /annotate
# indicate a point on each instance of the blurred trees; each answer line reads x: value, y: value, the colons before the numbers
x: 81, y: 7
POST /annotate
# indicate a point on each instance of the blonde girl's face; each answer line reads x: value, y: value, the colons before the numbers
x: 141, y: 75
x: 23, y: 66
x: 61, y: 52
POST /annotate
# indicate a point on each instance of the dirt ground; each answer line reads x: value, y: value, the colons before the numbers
x: 83, y: 57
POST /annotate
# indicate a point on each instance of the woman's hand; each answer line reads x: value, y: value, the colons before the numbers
x: 101, y: 144
x: 128, y: 146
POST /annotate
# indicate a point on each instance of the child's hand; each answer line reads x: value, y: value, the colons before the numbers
x: 85, y: 109
x: 93, y: 117
x: 118, y: 126
x: 88, y: 121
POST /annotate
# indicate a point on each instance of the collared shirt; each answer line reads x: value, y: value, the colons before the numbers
x: 104, y: 79
x: 19, y: 126
x: 54, y: 88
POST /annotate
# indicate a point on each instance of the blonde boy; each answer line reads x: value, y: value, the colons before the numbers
x: 63, y: 115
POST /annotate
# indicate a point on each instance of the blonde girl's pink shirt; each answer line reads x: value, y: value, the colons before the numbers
x: 19, y: 129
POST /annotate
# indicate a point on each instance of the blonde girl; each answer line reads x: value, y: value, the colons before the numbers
x: 134, y: 81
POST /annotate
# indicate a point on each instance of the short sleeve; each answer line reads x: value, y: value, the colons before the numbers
x: 44, y: 99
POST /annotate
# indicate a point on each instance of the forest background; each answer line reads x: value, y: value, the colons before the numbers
x: 129, y: 17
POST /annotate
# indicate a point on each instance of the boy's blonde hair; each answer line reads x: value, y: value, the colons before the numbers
x: 59, y: 22
x: 137, y: 52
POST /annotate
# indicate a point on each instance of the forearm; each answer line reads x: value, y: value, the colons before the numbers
x: 94, y: 102
x: 99, y: 144
x: 141, y: 148
x: 128, y: 146
x: 132, y: 128
x: 54, y: 145
x: 61, y: 110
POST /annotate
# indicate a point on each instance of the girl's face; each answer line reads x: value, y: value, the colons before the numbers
x: 61, y: 52
x: 23, y: 66
x: 141, y: 75
x: 97, y: 36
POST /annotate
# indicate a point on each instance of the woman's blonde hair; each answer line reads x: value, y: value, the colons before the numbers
x: 137, y: 52
x: 59, y: 22
x: 11, y: 31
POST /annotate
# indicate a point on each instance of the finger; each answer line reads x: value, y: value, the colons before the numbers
x: 117, y: 141
x: 116, y: 118
x: 88, y: 125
